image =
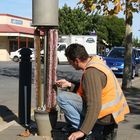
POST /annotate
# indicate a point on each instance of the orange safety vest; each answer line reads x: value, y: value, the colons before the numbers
x: 113, y: 100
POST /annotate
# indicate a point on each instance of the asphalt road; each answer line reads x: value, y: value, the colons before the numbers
x: 11, y: 69
x: 9, y: 84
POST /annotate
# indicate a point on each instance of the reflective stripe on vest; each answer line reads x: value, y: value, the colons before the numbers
x: 116, y: 114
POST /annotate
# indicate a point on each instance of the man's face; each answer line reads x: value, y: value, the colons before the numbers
x: 74, y: 63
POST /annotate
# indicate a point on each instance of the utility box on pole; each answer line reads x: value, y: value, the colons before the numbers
x: 45, y: 13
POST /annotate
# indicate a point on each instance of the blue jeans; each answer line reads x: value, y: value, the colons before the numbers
x: 73, y: 108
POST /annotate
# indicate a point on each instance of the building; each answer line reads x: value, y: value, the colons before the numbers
x: 15, y: 32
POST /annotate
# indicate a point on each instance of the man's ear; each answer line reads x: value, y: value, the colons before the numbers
x: 77, y: 60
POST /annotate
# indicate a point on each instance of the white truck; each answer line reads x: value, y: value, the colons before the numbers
x: 88, y: 41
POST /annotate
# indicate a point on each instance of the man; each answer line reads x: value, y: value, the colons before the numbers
x: 99, y: 104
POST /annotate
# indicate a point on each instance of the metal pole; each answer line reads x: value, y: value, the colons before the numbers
x: 38, y: 69
x: 25, y: 70
x: 45, y: 63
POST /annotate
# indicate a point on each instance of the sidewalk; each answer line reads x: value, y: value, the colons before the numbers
x: 128, y: 130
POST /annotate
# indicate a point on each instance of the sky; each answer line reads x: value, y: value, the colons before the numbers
x: 23, y: 8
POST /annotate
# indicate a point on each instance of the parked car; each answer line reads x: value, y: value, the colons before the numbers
x: 61, y: 58
x: 15, y: 55
x: 115, y: 60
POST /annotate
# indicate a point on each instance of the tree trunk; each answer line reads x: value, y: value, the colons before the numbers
x: 127, y: 76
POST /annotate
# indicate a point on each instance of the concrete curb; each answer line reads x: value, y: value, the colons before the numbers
x: 4, y: 126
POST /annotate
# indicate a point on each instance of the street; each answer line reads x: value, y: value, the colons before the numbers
x: 9, y: 73
x: 9, y: 85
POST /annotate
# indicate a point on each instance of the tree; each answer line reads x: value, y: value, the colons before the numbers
x: 76, y: 21
x: 73, y: 21
x: 111, y: 29
x: 128, y: 7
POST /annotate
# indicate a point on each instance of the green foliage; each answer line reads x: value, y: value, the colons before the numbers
x: 116, y: 30
x: 77, y: 22
x: 72, y: 21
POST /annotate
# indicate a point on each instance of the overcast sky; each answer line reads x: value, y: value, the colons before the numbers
x: 24, y: 8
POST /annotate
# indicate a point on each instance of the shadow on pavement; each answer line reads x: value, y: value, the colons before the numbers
x: 6, y: 114
x: 137, y: 126
x: 133, y: 99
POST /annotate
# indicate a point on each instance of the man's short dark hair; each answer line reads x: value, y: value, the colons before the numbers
x: 75, y: 50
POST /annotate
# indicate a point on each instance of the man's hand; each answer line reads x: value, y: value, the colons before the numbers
x: 63, y: 83
x: 76, y: 135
